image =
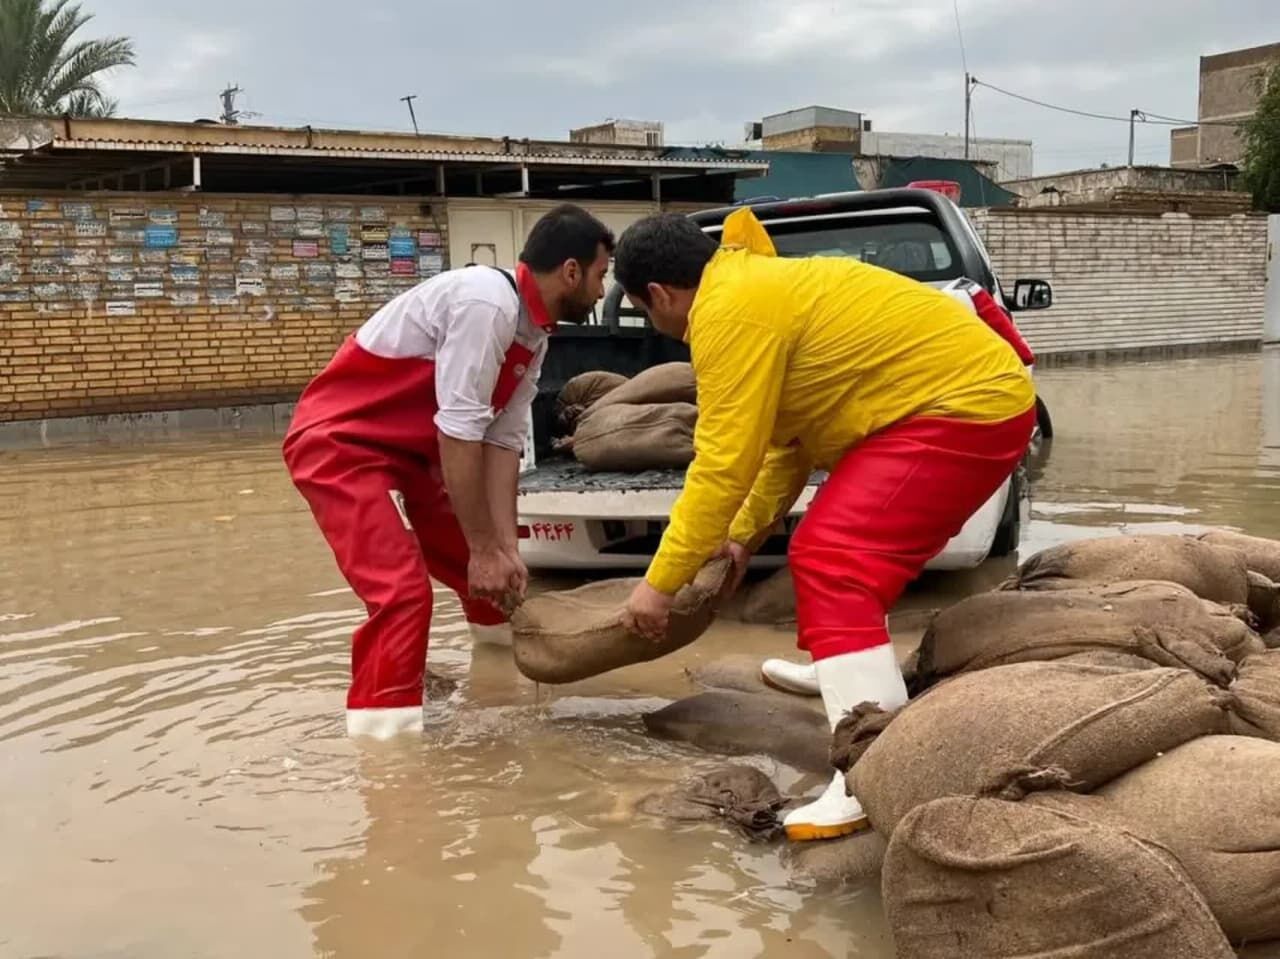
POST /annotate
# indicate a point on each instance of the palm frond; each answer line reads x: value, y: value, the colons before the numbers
x: 44, y: 70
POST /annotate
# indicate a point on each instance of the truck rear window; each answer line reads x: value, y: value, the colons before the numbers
x: 917, y: 248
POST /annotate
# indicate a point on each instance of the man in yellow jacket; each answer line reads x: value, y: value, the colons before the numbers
x: 915, y: 406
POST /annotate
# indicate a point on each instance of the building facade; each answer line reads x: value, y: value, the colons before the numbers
x: 153, y: 266
x: 1230, y: 85
x: 627, y: 133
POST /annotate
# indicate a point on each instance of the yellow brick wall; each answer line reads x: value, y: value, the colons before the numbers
x: 118, y: 303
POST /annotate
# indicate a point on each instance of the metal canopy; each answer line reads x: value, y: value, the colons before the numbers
x: 142, y: 155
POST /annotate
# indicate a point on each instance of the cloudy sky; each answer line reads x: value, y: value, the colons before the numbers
x: 503, y: 67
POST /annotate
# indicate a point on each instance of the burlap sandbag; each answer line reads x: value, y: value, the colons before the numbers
x: 1264, y: 601
x: 1255, y: 705
x: 582, y: 392
x: 631, y: 438
x: 1214, y: 804
x: 1012, y: 729
x: 741, y: 796
x: 1260, y: 555
x: 856, y: 731
x: 1105, y: 657
x: 1211, y: 572
x: 732, y: 723
x: 769, y: 602
x: 852, y: 860
x: 985, y: 879
x: 562, y: 637
x: 665, y: 383
x: 1162, y: 622
x: 739, y: 672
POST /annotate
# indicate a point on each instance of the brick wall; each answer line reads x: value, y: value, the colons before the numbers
x: 1124, y: 283
x: 116, y: 303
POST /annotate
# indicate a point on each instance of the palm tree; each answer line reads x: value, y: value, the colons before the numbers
x: 42, y: 72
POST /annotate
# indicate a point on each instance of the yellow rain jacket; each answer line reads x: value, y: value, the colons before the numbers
x: 797, y: 361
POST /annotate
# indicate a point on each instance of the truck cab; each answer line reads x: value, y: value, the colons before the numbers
x: 571, y: 518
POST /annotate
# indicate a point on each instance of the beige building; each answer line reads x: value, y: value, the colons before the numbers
x: 627, y: 133
x: 1230, y: 84
x: 828, y: 130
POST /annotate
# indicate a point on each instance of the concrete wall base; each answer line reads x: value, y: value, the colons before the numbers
x: 267, y: 419
x: 1137, y: 354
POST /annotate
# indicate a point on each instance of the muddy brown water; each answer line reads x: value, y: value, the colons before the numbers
x: 175, y: 779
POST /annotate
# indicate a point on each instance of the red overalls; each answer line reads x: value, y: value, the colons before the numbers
x: 362, y: 450
x: 994, y: 315
x: 892, y: 504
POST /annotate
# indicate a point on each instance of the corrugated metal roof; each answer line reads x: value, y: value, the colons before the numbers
x: 547, y: 158
x: 161, y: 137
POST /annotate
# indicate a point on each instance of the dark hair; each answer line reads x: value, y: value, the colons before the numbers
x: 664, y: 248
x: 566, y: 233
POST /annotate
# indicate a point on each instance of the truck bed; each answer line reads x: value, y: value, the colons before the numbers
x: 563, y: 474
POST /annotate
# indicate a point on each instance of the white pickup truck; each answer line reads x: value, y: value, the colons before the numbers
x: 571, y: 518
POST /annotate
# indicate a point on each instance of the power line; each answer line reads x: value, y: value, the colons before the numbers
x: 964, y: 58
x: 1153, y: 118
x: 1048, y: 106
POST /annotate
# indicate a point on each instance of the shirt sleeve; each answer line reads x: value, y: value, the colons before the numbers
x: 740, y: 365
x: 472, y: 343
x: 781, y: 480
x: 510, y: 428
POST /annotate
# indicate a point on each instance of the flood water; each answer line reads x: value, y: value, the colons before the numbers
x: 176, y: 781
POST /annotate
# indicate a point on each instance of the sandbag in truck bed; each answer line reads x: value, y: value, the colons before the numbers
x: 562, y: 637
x: 581, y: 393
x: 629, y: 438
x: 664, y: 383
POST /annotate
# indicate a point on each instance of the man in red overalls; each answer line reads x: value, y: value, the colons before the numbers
x: 407, y: 448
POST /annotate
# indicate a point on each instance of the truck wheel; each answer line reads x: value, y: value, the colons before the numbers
x: 1009, y: 532
x: 1043, y: 420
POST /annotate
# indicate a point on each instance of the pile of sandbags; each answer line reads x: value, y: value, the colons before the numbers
x: 630, y: 425
x: 565, y: 636
x: 1038, y: 804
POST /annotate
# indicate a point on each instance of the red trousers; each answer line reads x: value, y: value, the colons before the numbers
x: 391, y: 527
x: 891, y: 504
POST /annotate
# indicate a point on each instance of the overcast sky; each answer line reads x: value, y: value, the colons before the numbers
x: 502, y: 67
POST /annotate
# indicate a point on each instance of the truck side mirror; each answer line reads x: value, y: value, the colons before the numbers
x: 1032, y: 295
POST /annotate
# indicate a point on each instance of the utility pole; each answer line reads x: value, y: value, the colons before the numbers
x: 1134, y: 117
x: 409, y: 100
x: 968, y: 100
x: 230, y: 115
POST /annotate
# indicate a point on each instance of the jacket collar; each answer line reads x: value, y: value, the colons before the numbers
x: 531, y: 297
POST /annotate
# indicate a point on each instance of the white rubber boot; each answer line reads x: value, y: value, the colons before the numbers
x: 789, y: 677
x: 384, y: 723
x: 871, y: 675
x: 499, y: 635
